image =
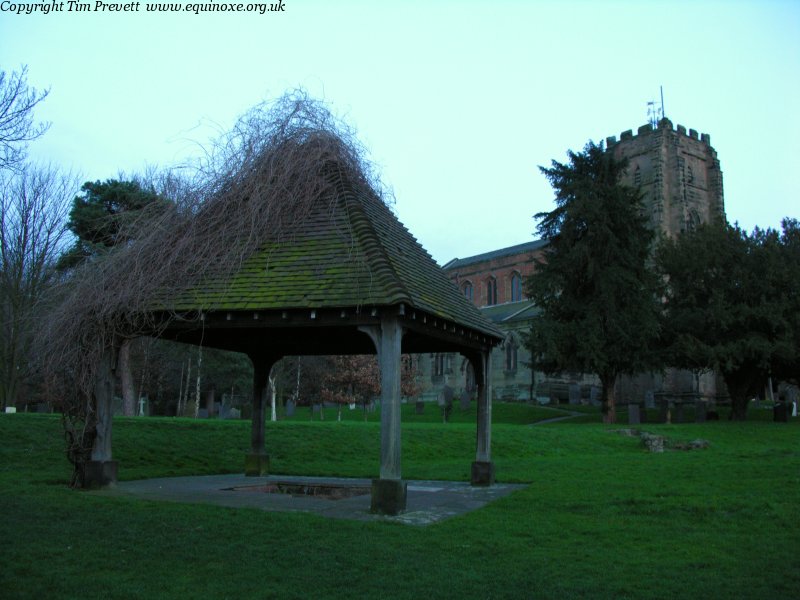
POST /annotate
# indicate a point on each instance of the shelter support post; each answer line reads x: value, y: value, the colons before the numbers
x: 482, y: 472
x: 101, y: 471
x: 256, y: 462
x: 389, y: 492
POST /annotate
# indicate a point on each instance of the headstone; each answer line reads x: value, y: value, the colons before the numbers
x: 447, y: 395
x: 235, y: 413
x: 315, y: 410
x: 594, y: 396
x: 634, y: 417
x: 202, y: 413
x: 677, y: 414
x: 420, y: 407
x: 447, y: 402
x: 290, y: 408
x: 780, y: 414
x: 574, y: 394
x: 10, y: 410
x: 465, y: 398
x: 700, y: 409
x: 663, y: 414
x: 649, y: 399
x: 210, y: 402
x: 792, y: 399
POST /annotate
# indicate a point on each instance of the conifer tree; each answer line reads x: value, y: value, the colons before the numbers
x: 598, y: 311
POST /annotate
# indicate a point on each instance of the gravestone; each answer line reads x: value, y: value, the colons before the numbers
x: 634, y: 416
x: 446, y: 402
x: 420, y: 407
x: 574, y: 394
x: 649, y: 399
x: 677, y: 414
x: 315, y: 410
x: 290, y: 406
x: 465, y: 400
x: 792, y: 399
x: 210, y: 402
x: 202, y: 413
x: 594, y: 396
x: 700, y: 409
x: 663, y: 408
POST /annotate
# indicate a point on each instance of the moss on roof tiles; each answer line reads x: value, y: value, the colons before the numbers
x: 349, y: 252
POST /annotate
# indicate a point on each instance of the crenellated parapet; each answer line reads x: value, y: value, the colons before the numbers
x: 663, y: 125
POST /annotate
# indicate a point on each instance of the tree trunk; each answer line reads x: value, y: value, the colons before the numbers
x: 741, y: 385
x: 126, y: 379
x: 197, y: 388
x: 103, y: 392
x: 180, y: 394
x: 273, y: 410
x: 186, y: 390
x: 609, y: 407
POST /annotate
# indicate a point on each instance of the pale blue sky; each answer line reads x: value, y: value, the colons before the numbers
x: 457, y: 102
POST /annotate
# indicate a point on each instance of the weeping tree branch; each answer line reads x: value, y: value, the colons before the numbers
x: 278, y: 162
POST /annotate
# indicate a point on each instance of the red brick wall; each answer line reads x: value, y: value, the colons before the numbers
x: 501, y: 268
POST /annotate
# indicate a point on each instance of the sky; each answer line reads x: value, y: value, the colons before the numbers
x: 457, y: 103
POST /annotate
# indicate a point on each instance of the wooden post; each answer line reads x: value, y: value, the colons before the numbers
x: 101, y: 471
x: 389, y: 491
x: 483, y: 468
x: 257, y: 461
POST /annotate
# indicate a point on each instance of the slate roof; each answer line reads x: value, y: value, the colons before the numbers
x: 349, y: 251
x: 510, y: 312
x: 510, y: 251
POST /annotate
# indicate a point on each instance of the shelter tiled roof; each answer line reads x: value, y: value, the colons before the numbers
x: 349, y: 251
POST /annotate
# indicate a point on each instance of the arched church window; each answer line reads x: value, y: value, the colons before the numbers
x: 467, y: 289
x: 516, y: 287
x: 511, y: 356
x: 491, y: 291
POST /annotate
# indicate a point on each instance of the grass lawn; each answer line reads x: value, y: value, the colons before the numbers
x: 601, y: 518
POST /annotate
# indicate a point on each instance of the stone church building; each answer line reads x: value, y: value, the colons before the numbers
x: 680, y: 178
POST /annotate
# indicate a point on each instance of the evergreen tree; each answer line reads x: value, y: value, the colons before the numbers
x: 103, y: 215
x: 731, y: 306
x: 598, y: 312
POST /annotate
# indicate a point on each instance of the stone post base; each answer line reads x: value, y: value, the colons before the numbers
x: 388, y: 496
x: 256, y: 465
x: 99, y: 473
x: 482, y: 473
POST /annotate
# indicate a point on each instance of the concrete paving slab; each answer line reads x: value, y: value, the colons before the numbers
x: 428, y: 501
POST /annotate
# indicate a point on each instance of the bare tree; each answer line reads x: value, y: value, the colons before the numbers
x: 17, y: 128
x: 34, y: 203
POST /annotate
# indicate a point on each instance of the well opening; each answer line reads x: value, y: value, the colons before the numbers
x: 324, y: 491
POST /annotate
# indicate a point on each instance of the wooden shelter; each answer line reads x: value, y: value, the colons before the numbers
x: 346, y: 278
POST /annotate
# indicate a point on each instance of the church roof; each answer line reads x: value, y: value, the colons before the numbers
x: 457, y: 263
x: 350, y: 251
x: 510, y: 312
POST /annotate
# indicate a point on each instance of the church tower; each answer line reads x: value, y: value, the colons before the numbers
x: 679, y: 175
